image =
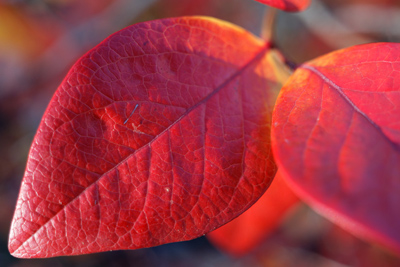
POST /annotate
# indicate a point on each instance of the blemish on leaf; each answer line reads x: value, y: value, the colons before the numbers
x: 131, y: 114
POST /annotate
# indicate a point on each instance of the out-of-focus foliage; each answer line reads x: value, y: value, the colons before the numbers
x: 39, y: 41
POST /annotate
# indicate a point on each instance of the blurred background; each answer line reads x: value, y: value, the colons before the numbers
x: 41, y: 39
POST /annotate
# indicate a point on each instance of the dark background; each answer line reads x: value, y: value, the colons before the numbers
x: 40, y: 40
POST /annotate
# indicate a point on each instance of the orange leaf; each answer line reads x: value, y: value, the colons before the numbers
x: 244, y: 233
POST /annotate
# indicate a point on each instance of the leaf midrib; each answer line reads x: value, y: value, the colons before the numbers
x: 240, y: 70
x: 339, y: 89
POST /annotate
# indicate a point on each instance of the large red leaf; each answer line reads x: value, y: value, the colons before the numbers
x: 247, y: 231
x: 287, y: 5
x: 159, y: 134
x: 336, y: 136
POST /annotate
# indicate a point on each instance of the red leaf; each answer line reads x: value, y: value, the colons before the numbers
x: 287, y: 5
x: 159, y: 134
x: 336, y: 136
x: 247, y: 231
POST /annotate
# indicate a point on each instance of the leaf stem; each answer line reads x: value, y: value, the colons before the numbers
x: 268, y: 24
x: 268, y: 32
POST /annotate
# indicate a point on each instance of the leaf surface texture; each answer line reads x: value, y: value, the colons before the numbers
x: 159, y: 134
x: 336, y: 136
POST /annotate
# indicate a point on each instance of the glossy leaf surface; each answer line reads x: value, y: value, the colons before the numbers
x: 287, y: 5
x: 159, y: 134
x: 336, y: 136
x: 247, y: 231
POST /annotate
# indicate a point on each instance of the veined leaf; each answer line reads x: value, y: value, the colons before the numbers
x: 159, y: 134
x: 336, y: 137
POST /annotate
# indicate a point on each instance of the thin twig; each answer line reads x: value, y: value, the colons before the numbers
x: 268, y: 24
